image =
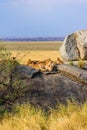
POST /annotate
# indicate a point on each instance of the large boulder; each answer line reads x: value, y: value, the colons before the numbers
x: 75, y: 46
x: 45, y: 90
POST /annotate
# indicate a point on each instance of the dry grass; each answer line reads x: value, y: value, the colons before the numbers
x: 33, y: 46
x: 24, y: 56
x: 73, y: 117
x: 33, y: 50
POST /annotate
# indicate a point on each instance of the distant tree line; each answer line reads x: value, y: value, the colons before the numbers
x: 31, y: 38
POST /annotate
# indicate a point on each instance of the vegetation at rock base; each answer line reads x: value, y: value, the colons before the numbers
x: 71, y: 63
x: 25, y: 117
x: 81, y: 63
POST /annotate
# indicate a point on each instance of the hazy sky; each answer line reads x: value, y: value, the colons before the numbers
x: 42, y: 17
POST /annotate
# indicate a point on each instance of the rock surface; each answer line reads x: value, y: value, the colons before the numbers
x: 75, y: 46
x: 47, y: 90
x: 23, y: 72
x: 75, y: 72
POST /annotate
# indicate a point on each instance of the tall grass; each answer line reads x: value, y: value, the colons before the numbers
x: 25, y: 117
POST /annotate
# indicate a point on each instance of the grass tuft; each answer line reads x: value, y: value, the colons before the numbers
x: 81, y: 63
x: 25, y: 117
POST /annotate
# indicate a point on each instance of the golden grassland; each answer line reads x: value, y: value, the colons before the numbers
x: 29, y: 46
x: 24, y: 56
x: 25, y: 117
x: 33, y: 50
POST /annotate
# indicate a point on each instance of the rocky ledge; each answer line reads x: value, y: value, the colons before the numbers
x: 51, y: 88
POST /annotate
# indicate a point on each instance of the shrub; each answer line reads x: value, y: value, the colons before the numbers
x: 10, y: 89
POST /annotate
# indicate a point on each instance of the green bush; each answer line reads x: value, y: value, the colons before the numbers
x: 10, y: 89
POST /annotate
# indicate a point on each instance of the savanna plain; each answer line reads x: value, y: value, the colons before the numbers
x: 26, y: 117
x: 33, y: 50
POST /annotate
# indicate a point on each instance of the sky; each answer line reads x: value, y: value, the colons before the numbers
x: 42, y: 17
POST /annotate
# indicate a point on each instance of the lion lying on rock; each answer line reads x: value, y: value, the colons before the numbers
x: 46, y: 65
